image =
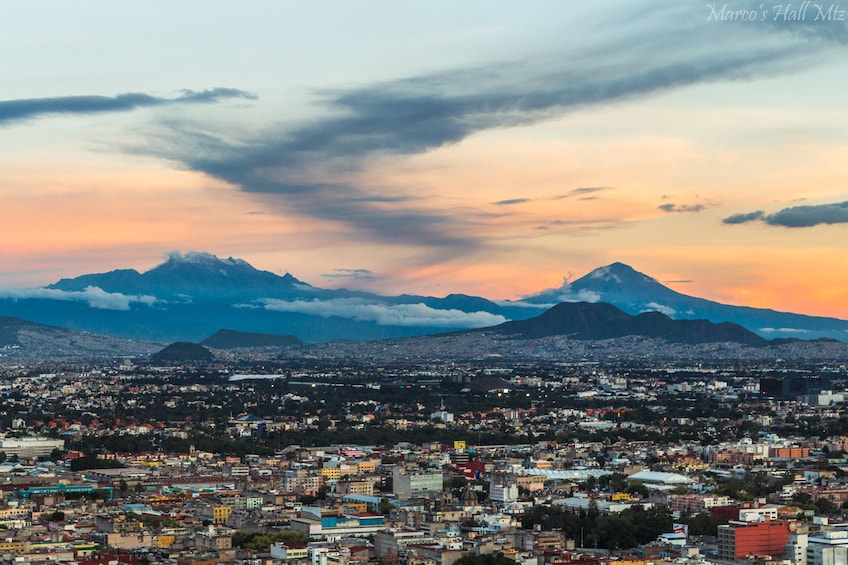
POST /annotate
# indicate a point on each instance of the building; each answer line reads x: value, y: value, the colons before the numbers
x: 394, y: 541
x: 762, y: 513
x: 248, y: 425
x: 696, y: 503
x: 280, y: 550
x: 737, y: 540
x: 661, y: 481
x: 416, y: 484
x: 331, y: 525
x: 503, y: 488
x: 796, y: 549
x: 365, y: 488
x: 30, y: 447
x: 829, y: 548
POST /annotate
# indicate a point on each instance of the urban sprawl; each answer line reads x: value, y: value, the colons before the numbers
x: 321, y: 462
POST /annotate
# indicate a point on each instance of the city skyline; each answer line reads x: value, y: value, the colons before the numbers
x: 481, y: 148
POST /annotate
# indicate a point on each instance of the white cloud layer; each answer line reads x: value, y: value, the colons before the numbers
x: 93, y: 296
x: 661, y: 308
x: 385, y: 314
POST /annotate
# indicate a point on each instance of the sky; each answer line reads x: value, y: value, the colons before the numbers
x: 480, y: 147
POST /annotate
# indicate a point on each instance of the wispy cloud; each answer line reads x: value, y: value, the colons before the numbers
x: 385, y: 314
x: 682, y: 208
x: 744, y: 218
x: 511, y: 201
x: 797, y: 216
x: 93, y: 296
x: 583, y: 191
x: 354, y: 274
x: 28, y: 108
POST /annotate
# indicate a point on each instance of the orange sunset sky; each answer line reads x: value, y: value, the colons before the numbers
x: 482, y: 147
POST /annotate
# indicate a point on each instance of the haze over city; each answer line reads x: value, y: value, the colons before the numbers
x: 488, y: 148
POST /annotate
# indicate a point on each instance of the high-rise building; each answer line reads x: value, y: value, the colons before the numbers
x: 738, y: 540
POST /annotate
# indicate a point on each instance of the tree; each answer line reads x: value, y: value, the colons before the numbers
x: 593, y: 511
x: 57, y: 516
x: 638, y: 488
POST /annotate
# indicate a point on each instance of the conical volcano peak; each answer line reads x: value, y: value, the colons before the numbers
x: 620, y: 273
x: 202, y: 258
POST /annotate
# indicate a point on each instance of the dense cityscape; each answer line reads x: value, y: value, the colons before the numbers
x: 270, y: 458
x: 423, y: 283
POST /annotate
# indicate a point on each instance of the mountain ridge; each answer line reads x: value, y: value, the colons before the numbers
x: 635, y: 293
x: 600, y: 321
x: 190, y: 296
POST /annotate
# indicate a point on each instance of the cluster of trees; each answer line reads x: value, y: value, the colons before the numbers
x: 591, y: 528
x: 262, y: 541
x: 93, y: 462
x: 703, y: 524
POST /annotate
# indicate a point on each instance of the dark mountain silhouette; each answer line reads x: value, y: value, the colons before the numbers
x: 182, y: 352
x: 231, y: 339
x: 593, y: 321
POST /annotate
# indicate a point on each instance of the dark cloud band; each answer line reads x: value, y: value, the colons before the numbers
x: 797, y: 216
x: 681, y: 208
x: 18, y: 110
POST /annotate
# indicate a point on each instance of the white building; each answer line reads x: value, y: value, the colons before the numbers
x: 28, y: 447
x: 504, y: 494
x: 767, y: 512
x: 796, y: 549
x: 662, y: 481
x: 829, y: 548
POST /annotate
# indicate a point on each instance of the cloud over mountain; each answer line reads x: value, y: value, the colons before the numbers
x: 93, y: 296
x: 385, y: 314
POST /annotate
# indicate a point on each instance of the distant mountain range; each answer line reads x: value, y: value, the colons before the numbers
x: 191, y: 296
